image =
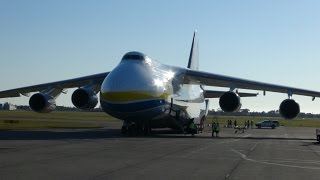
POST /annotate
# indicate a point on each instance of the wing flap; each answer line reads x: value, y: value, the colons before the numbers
x: 210, y: 79
x: 217, y: 94
x: 70, y: 83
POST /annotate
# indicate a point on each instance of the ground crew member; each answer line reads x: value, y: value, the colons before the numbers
x: 251, y: 124
x: 215, y: 129
x: 218, y: 129
x: 193, y: 128
x: 235, y: 123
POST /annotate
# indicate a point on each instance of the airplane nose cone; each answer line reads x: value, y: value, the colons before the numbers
x: 130, y: 89
x: 128, y: 76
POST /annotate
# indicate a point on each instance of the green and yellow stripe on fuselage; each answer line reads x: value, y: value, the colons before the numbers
x: 133, y: 96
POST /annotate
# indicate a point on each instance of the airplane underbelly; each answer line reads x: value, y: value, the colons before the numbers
x: 144, y: 110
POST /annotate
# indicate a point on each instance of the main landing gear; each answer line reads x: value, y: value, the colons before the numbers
x: 136, y: 129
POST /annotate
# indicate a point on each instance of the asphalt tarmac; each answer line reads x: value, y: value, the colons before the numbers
x: 282, y: 153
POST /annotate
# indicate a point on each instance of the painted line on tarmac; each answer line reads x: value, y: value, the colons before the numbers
x: 235, y: 140
x: 243, y: 156
x: 290, y: 149
x: 288, y: 160
x: 296, y: 162
x: 253, y: 147
x: 198, y: 150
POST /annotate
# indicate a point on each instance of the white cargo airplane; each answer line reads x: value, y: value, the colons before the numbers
x: 146, y: 94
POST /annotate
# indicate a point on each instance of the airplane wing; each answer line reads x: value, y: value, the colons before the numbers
x: 70, y: 83
x: 217, y: 94
x: 210, y: 79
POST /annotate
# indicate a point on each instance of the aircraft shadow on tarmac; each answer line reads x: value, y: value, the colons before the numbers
x: 310, y: 143
x: 58, y: 135
x: 110, y: 133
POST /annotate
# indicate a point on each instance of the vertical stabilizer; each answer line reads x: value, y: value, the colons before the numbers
x: 194, y: 53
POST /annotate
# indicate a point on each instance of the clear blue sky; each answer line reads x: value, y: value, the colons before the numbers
x: 271, y: 41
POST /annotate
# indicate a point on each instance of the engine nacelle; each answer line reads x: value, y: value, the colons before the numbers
x: 230, y: 102
x: 289, y: 109
x: 84, y: 99
x: 42, y: 103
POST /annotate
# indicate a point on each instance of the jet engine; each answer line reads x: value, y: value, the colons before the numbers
x: 230, y: 101
x: 289, y: 109
x: 84, y: 99
x: 42, y: 103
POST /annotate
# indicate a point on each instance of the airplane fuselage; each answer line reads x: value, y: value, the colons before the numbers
x: 141, y: 89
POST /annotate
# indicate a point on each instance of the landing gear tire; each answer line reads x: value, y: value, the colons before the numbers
x: 136, y: 129
x: 124, y: 130
x: 146, y: 129
x: 131, y: 130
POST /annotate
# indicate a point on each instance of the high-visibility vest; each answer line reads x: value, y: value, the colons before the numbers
x: 218, y: 128
x: 214, y: 127
x: 192, y: 126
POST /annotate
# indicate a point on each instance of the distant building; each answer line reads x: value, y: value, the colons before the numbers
x: 8, y: 107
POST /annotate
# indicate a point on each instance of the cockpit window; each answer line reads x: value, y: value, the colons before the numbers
x: 134, y: 57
